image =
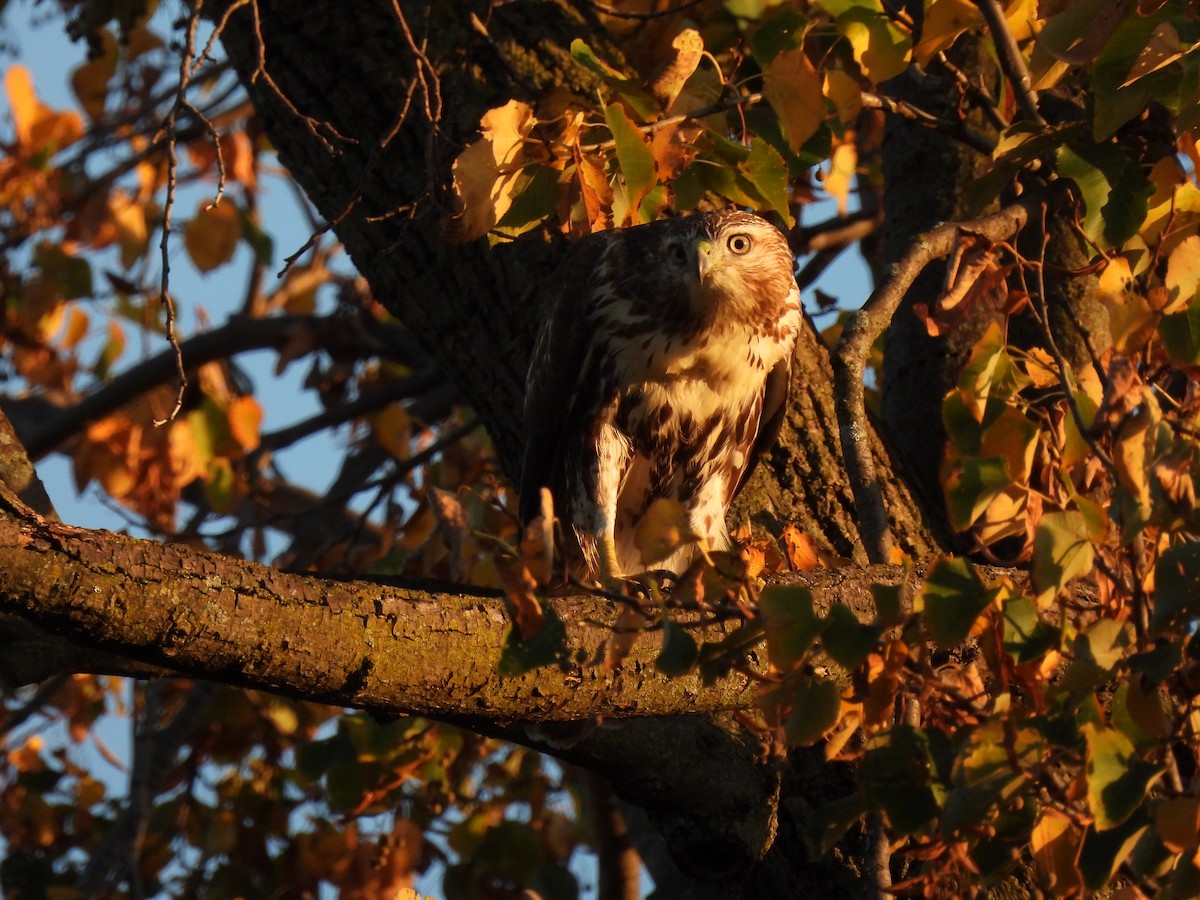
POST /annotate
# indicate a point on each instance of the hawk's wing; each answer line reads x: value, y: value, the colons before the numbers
x: 561, y: 360
x: 774, y: 408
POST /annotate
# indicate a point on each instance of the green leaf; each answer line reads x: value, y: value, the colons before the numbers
x: 953, y: 599
x: 888, y: 608
x: 535, y: 197
x: 972, y: 484
x: 881, y: 50
x: 846, y: 640
x: 827, y: 823
x: 72, y: 274
x: 1094, y: 654
x: 1180, y: 333
x: 1026, y: 637
x: 548, y: 647
x: 1176, y: 588
x: 815, y: 707
x: 790, y: 624
x: 1062, y: 550
x: 718, y: 657
x: 258, y: 240
x: 1117, y: 778
x: 679, y: 651
x: 897, y: 776
x: 633, y: 154
x: 783, y: 31
x: 1113, y: 187
x: 766, y: 170
x: 643, y: 105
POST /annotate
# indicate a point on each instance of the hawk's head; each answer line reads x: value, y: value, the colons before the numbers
x: 733, y: 263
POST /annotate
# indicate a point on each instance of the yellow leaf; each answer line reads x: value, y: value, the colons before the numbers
x: 38, y: 128
x: 1183, y: 274
x: 880, y: 48
x: 392, y: 428
x: 211, y: 237
x: 90, y: 80
x: 945, y: 20
x: 129, y: 217
x: 77, y: 327
x: 1131, y: 320
x: 662, y: 530
x: 845, y: 94
x: 840, y: 180
x: 245, y: 422
x: 669, y: 81
x: 793, y: 88
x: 486, y: 171
x: 1055, y: 843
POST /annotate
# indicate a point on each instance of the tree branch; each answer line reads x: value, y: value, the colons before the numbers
x: 865, y: 327
x: 1011, y: 61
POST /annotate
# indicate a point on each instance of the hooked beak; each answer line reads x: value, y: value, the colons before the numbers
x: 704, y: 249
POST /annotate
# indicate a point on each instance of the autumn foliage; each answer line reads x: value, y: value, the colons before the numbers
x: 1022, y: 706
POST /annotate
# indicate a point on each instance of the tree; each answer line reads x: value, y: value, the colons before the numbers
x: 921, y: 721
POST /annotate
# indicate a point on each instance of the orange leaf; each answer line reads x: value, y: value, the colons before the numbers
x: 245, y: 422
x: 793, y: 87
x: 801, y: 549
x: 38, y: 127
x: 211, y: 237
x: 90, y: 81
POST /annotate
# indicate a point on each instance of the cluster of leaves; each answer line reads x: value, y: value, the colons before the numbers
x: 267, y: 794
x: 1067, y: 734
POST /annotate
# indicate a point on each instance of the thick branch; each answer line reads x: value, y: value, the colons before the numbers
x: 390, y: 650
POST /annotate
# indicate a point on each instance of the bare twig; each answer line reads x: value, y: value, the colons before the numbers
x: 640, y: 16
x: 954, y: 128
x: 1011, y: 61
x: 862, y: 330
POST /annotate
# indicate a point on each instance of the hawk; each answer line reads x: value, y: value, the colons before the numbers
x: 661, y: 370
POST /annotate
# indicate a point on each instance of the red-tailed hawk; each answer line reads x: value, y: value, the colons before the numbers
x: 661, y: 371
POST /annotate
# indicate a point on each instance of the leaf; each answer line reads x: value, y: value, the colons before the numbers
x: 814, y: 710
x: 245, y: 422
x: 897, y: 776
x: 662, y: 530
x: 211, y: 236
x: 642, y: 104
x: 679, y: 651
x: 1026, y: 636
x: 1114, y: 189
x: 90, y: 80
x: 485, y: 172
x: 1176, y: 588
x: 1162, y: 49
x: 534, y: 197
x: 782, y: 31
x: 548, y: 647
x: 843, y: 166
x: 789, y: 622
x: 1055, y: 843
x: 881, y: 49
x: 669, y: 81
x: 846, y: 640
x: 1177, y: 822
x: 633, y: 154
x: 766, y: 170
x: 953, y: 597
x: 971, y: 485
x: 793, y: 88
x: 39, y: 129
x: 1103, y: 852
x: 845, y: 94
x: 1117, y: 779
x: 1183, y: 274
x: 1180, y: 334
x: 1062, y: 551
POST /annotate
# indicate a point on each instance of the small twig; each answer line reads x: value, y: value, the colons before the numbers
x: 164, y: 296
x: 1012, y: 63
x: 15, y: 718
x: 977, y: 91
x: 953, y: 128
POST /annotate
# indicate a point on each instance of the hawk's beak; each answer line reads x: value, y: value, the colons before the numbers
x: 704, y: 251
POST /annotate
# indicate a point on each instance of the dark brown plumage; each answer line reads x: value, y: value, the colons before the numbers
x: 661, y: 371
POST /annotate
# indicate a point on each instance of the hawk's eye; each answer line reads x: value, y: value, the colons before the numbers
x: 739, y: 243
x: 678, y: 254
